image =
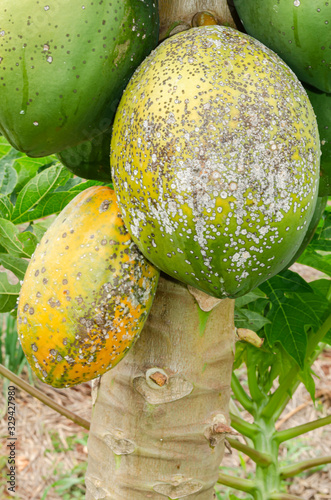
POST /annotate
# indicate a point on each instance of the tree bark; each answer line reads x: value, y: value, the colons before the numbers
x: 161, y: 414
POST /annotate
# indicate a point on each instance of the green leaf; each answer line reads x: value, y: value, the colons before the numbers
x: 38, y: 192
x: 6, y: 207
x: 306, y: 378
x: 244, y: 318
x: 52, y: 203
x: 249, y: 297
x: 8, y: 294
x: 8, y: 179
x: 29, y: 241
x: 9, y: 239
x: 7, y: 149
x: 317, y: 260
x: 322, y: 287
x: 14, y: 264
x: 41, y: 227
x: 290, y: 318
x: 27, y: 168
x: 286, y: 281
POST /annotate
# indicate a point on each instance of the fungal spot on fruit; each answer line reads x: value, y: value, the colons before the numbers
x: 104, y: 206
x: 26, y: 308
x: 34, y: 347
x: 45, y: 281
x: 31, y: 310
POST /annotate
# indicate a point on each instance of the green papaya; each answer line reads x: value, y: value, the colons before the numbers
x: 215, y: 160
x: 319, y: 209
x: 322, y: 106
x: 298, y: 30
x: 90, y: 159
x: 64, y: 65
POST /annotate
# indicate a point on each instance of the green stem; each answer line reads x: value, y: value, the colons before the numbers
x: 294, y: 470
x: 237, y: 483
x: 262, y: 459
x: 240, y: 394
x: 287, y: 434
x: 43, y: 398
x: 279, y: 397
x: 245, y: 428
x: 252, y: 378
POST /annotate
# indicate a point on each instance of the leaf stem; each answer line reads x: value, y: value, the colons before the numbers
x: 286, y: 434
x: 36, y: 393
x: 237, y: 483
x: 245, y: 428
x: 262, y: 459
x: 294, y: 470
x: 240, y: 394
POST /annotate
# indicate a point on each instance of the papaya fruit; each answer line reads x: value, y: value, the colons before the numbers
x: 298, y: 30
x: 215, y: 160
x: 90, y: 159
x: 86, y: 293
x: 319, y: 210
x: 64, y: 65
x: 321, y: 103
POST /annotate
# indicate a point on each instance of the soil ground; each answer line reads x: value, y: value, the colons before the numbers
x: 51, y: 450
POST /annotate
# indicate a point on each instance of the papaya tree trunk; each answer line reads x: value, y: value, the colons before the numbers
x: 183, y: 12
x: 160, y: 416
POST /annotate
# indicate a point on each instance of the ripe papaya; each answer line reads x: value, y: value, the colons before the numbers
x: 215, y: 160
x: 64, y: 65
x: 321, y: 103
x: 86, y: 293
x: 90, y: 159
x: 298, y: 30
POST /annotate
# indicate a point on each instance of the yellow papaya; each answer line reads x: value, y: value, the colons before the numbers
x: 86, y: 294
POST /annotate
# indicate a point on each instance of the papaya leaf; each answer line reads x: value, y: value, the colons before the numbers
x: 322, y: 287
x: 9, y: 239
x: 78, y: 188
x: 306, y: 378
x: 27, y: 168
x: 317, y: 260
x: 52, y: 203
x: 8, y: 179
x: 6, y: 207
x: 29, y: 241
x: 8, y: 294
x: 244, y: 318
x: 290, y: 317
x: 285, y: 282
x: 37, y: 193
x: 14, y: 264
x: 40, y: 227
x: 249, y: 297
x: 6, y: 148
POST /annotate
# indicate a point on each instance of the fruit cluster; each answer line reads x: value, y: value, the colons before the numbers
x: 214, y: 152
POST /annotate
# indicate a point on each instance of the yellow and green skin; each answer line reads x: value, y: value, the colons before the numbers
x: 86, y: 294
x: 215, y: 160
